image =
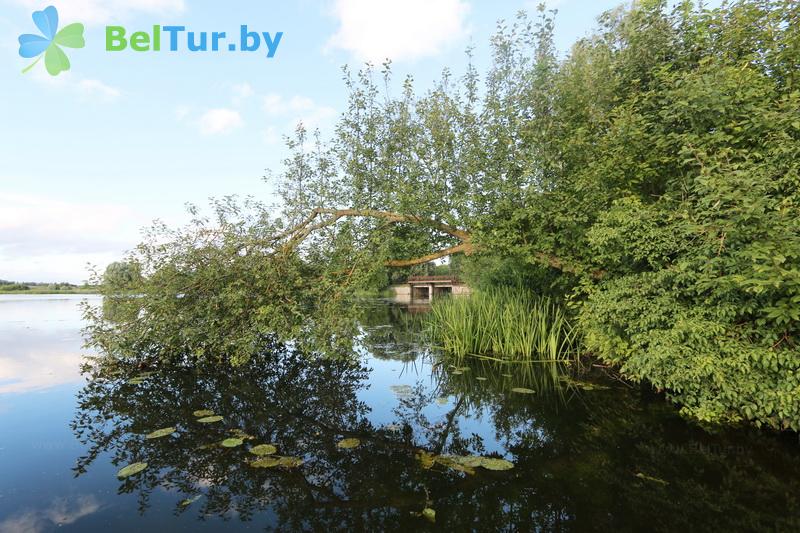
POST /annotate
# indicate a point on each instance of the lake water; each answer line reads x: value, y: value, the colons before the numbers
x: 590, y: 457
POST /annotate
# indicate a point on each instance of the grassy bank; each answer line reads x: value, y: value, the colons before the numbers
x: 10, y: 287
x: 506, y: 324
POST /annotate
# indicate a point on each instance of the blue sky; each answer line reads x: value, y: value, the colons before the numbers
x: 89, y: 157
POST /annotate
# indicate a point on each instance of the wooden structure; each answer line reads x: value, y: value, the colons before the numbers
x: 425, y: 288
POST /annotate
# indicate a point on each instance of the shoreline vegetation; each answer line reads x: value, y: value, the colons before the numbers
x: 17, y: 287
x: 646, y: 184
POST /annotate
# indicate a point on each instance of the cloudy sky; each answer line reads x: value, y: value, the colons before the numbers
x: 89, y: 157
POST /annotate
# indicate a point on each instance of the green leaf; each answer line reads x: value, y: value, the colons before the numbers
x: 523, y: 390
x: 55, y: 60
x: 263, y: 449
x: 131, y: 470
x: 71, y: 36
x: 346, y: 444
x: 232, y: 442
x: 429, y: 514
x: 203, y: 412
x: 209, y: 419
x: 492, y: 463
x: 265, y: 462
x: 157, y: 434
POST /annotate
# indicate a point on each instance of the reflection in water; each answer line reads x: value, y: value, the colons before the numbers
x: 62, y: 512
x: 587, y: 460
x: 40, y: 345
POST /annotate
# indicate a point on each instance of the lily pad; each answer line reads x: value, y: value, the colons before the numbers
x: 443, y: 400
x: 454, y: 463
x: 429, y: 514
x: 652, y: 479
x: 481, y: 378
x: 456, y: 372
x: 263, y: 449
x: 492, y: 463
x: 203, y: 412
x: 232, y: 442
x: 136, y: 381
x: 426, y: 459
x: 190, y: 501
x: 523, y: 390
x: 471, y: 461
x: 163, y: 432
x: 131, y: 469
x: 290, y: 462
x: 506, y: 375
x: 209, y: 419
x: 265, y: 462
x: 346, y: 444
x: 241, y: 434
x: 401, y: 391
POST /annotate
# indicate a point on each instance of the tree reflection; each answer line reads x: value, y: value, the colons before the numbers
x: 584, y: 460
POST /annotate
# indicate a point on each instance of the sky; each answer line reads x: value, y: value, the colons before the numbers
x: 91, y: 156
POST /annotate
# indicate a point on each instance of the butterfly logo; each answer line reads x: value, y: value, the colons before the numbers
x: 50, y: 42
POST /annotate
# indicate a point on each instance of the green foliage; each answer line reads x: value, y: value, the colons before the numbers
x: 505, y: 323
x: 650, y: 178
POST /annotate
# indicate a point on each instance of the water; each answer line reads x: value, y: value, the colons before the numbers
x: 610, y: 458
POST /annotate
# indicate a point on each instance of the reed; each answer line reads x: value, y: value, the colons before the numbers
x: 504, y: 324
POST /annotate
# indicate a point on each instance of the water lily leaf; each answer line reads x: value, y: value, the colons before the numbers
x: 190, y: 501
x: 471, y: 461
x: 429, y: 514
x: 401, y: 391
x: 492, y: 463
x: 443, y: 400
x: 426, y: 459
x: 203, y: 412
x: 652, y: 479
x: 209, y: 419
x: 290, y: 462
x: 136, y: 381
x: 523, y: 390
x: 232, y: 442
x: 265, y: 462
x: 131, y: 469
x: 163, y: 432
x: 241, y: 434
x: 481, y: 378
x: 263, y: 449
x: 506, y: 375
x: 463, y: 368
x: 346, y: 444
x: 456, y: 372
x: 454, y: 463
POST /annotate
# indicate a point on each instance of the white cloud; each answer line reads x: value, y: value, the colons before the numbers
x: 93, y: 89
x: 47, y: 239
x: 297, y: 109
x: 98, y: 12
x: 270, y: 136
x: 400, y: 30
x: 99, y: 89
x: 182, y: 111
x: 61, y: 512
x: 219, y: 121
x: 241, y: 92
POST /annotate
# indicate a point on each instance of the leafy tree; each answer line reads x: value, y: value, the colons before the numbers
x: 650, y: 177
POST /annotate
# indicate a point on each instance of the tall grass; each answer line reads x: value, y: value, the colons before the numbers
x: 503, y: 323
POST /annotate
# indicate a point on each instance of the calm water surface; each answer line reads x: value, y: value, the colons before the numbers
x: 607, y: 457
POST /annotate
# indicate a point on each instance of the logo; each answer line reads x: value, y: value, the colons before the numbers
x: 50, y: 42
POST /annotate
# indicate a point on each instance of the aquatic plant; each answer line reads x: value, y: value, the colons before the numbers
x: 502, y: 323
